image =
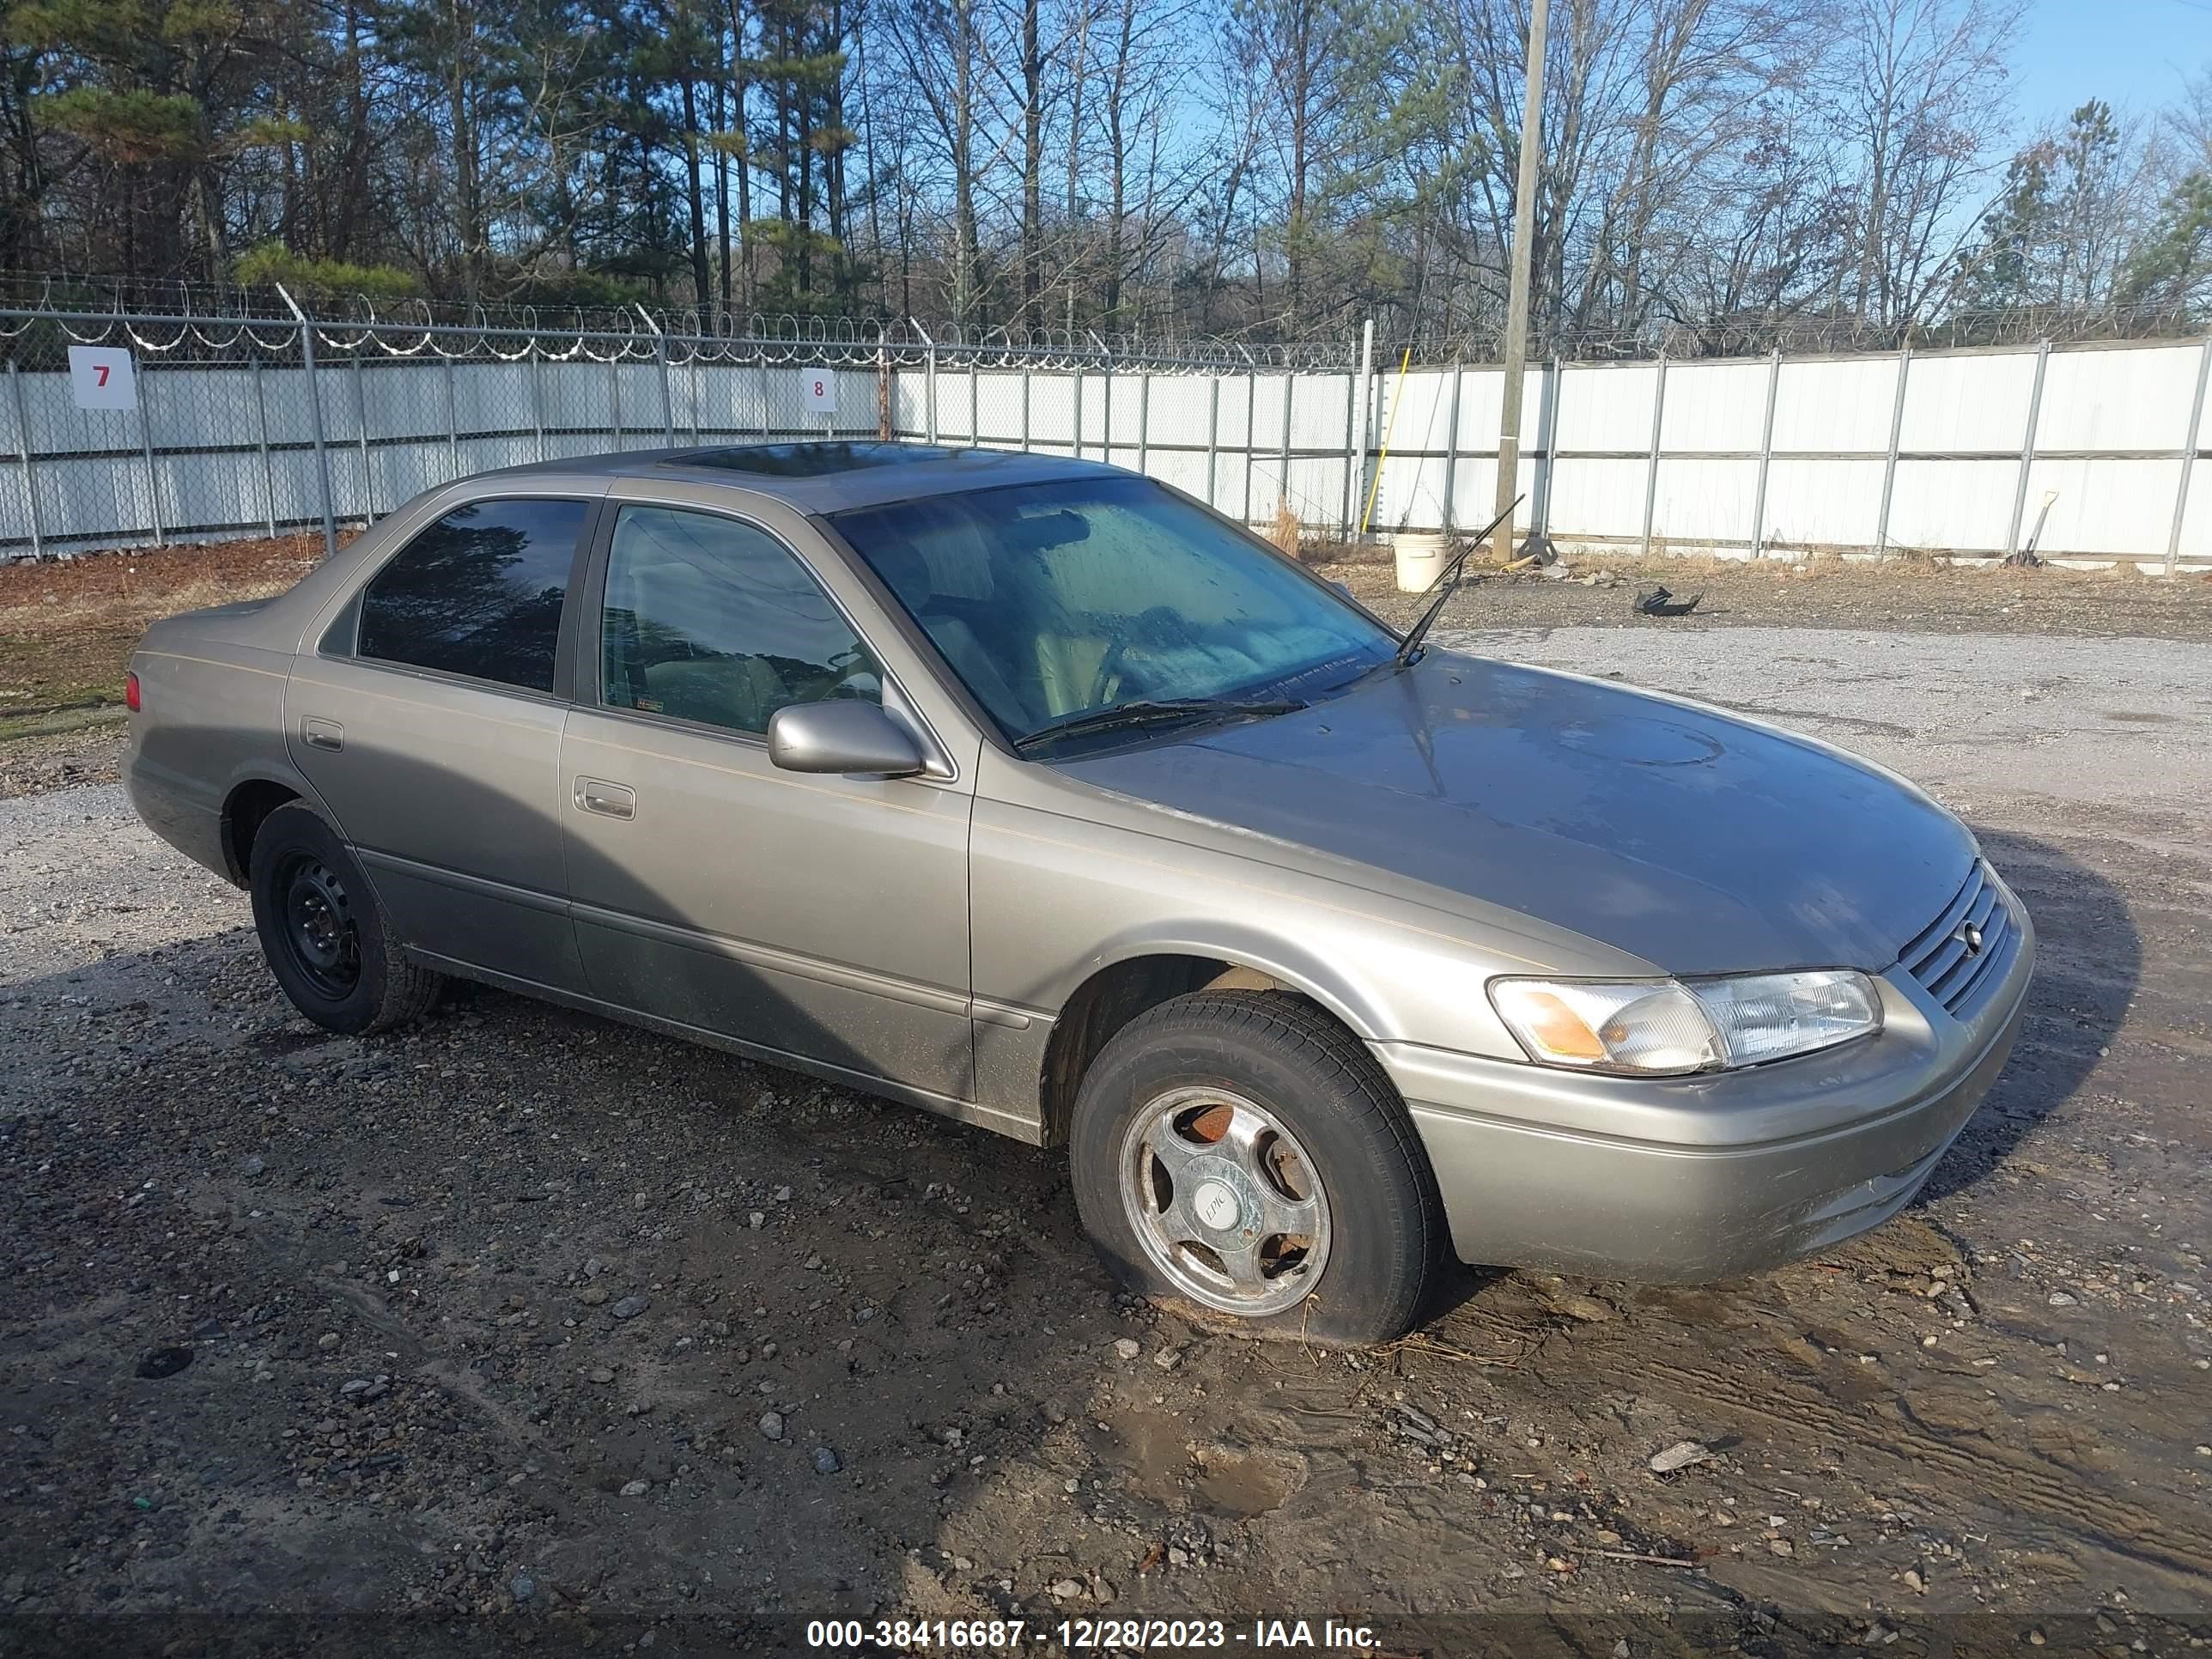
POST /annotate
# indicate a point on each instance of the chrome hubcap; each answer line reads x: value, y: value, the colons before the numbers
x: 1224, y: 1201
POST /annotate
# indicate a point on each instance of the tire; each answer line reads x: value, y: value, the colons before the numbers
x: 1162, y: 1175
x: 324, y: 934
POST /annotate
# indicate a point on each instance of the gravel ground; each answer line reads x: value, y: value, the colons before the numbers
x: 522, y: 1327
x: 88, y: 754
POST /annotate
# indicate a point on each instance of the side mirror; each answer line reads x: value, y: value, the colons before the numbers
x: 842, y: 737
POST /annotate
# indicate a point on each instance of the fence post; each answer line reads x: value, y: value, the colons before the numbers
x: 1106, y: 406
x: 1889, y: 466
x: 1765, y: 455
x: 667, y: 398
x: 1355, y: 460
x: 614, y: 394
x: 261, y: 429
x: 929, y: 382
x: 1251, y: 431
x: 23, y: 455
x: 315, y: 420
x: 1025, y: 406
x: 2188, y: 457
x: 1143, y: 419
x: 1283, y: 482
x: 1213, y: 440
x: 452, y: 418
x: 1451, y: 447
x: 361, y: 414
x: 1651, y: 465
x: 146, y: 446
x: 883, y: 390
x: 1547, y: 450
x: 537, y: 398
x: 1078, y: 411
x: 2028, y: 450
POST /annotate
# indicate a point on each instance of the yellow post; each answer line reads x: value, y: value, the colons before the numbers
x: 1390, y: 426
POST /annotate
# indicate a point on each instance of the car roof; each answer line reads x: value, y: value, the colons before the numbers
x: 823, y: 476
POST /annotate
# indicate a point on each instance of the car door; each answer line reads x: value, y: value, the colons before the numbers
x: 821, y: 918
x: 429, y: 722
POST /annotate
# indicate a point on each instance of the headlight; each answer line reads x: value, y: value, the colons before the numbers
x: 1668, y: 1027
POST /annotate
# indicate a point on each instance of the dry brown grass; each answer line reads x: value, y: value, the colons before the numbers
x: 67, y: 627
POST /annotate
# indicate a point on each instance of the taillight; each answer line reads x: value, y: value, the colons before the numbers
x: 130, y: 692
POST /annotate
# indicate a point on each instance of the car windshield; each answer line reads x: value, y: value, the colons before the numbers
x: 1054, y: 600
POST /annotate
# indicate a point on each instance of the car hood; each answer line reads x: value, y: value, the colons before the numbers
x: 1703, y: 843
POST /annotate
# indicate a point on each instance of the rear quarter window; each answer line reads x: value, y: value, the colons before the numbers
x: 478, y: 593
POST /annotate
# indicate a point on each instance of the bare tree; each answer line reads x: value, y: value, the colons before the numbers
x: 1913, y: 83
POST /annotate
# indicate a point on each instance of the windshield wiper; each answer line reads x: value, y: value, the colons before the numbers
x: 1444, y: 588
x: 1157, y: 712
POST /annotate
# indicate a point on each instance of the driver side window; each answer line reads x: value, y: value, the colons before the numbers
x: 708, y: 620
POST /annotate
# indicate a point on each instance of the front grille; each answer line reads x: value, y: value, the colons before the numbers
x: 1940, y: 958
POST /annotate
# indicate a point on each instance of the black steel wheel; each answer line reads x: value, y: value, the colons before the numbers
x: 323, y: 932
x: 319, y: 930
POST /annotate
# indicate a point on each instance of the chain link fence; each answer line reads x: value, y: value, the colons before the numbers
x: 247, y: 414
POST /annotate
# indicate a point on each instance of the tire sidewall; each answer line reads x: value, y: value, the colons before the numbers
x: 1374, y: 1278
x: 299, y: 829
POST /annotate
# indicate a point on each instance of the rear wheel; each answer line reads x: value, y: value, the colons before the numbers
x: 324, y: 934
x: 1241, y: 1151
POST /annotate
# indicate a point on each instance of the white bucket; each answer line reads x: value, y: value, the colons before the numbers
x: 1420, y: 560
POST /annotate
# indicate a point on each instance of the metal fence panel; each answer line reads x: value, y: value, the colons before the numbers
x: 1965, y: 403
x: 2091, y: 450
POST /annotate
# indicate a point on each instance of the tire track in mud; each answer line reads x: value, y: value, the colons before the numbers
x: 1968, y: 1467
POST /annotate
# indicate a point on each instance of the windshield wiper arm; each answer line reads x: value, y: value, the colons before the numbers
x: 1444, y: 586
x: 1155, y: 712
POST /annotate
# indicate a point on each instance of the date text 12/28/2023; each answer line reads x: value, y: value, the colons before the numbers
x: 1079, y: 1635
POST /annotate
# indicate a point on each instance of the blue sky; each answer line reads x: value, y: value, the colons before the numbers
x: 2135, y: 54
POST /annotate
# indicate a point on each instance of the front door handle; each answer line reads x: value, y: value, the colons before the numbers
x: 609, y: 800
x: 319, y: 734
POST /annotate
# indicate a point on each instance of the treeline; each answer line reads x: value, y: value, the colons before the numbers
x: 1268, y: 167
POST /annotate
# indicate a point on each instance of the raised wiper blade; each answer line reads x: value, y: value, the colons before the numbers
x: 1444, y: 588
x: 1155, y: 712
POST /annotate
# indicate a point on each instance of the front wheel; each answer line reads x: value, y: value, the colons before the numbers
x: 1243, y: 1151
x: 324, y: 934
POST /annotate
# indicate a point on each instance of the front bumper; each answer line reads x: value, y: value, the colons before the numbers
x: 1688, y: 1180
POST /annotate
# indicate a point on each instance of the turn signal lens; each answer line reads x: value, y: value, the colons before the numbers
x: 1653, y: 1027
x: 1665, y: 1028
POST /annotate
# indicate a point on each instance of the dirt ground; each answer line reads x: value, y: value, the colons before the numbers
x: 525, y: 1329
x: 67, y: 626
x: 1897, y: 593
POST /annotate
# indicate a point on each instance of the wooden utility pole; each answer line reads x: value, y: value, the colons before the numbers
x: 1517, y: 305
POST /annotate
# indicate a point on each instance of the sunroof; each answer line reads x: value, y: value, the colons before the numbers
x: 808, y: 460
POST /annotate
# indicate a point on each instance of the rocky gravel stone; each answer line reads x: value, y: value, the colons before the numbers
x: 985, y: 1410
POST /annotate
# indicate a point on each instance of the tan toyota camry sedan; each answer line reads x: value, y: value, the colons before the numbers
x: 1034, y: 793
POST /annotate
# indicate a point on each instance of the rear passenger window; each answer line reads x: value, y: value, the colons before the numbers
x: 479, y: 593
x: 710, y: 620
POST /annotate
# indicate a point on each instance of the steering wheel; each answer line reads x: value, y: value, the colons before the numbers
x: 1108, y: 678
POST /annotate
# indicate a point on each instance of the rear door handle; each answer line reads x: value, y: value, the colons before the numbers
x: 319, y: 734
x: 610, y: 800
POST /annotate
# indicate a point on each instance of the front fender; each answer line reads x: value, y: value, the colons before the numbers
x: 1056, y: 900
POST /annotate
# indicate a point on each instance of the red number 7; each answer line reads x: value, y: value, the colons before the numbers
x: 100, y: 369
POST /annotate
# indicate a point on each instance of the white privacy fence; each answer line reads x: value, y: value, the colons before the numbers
x: 2098, y: 452
x: 261, y: 426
